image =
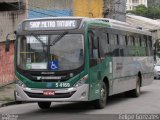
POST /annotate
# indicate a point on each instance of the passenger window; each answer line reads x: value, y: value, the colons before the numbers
x: 132, y: 41
x: 107, y: 37
x: 122, y: 39
x: 93, y: 47
x: 103, y: 44
x: 112, y: 39
x: 140, y: 41
x: 126, y: 40
x: 145, y: 41
x: 137, y: 43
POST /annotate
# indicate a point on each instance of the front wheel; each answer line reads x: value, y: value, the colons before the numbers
x: 44, y: 105
x: 101, y: 103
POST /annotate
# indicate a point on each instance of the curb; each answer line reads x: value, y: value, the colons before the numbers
x: 8, y: 103
x: 1, y: 86
x: 13, y: 103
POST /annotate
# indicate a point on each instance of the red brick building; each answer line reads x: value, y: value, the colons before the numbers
x: 10, y: 17
x: 6, y: 64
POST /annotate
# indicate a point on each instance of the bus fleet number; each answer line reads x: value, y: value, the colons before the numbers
x: 62, y: 84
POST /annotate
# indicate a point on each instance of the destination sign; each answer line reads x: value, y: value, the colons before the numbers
x: 50, y: 24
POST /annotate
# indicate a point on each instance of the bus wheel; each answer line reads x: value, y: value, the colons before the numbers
x: 44, y: 105
x: 101, y: 103
x: 135, y: 92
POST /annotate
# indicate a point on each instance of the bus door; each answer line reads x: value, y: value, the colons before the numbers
x: 94, y: 67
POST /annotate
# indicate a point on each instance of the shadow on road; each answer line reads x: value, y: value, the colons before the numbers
x: 118, y: 98
x: 82, y: 107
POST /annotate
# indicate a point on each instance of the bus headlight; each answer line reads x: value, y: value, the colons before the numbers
x: 81, y: 81
x: 19, y: 82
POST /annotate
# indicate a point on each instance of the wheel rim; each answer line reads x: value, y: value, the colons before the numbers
x: 103, y: 94
x: 138, y: 87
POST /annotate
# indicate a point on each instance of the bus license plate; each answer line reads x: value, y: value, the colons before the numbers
x: 48, y: 92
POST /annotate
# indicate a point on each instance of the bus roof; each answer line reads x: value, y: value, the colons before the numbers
x: 124, y: 26
x: 77, y: 22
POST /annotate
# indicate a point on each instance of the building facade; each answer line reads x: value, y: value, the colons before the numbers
x: 88, y: 8
x: 153, y: 3
x: 11, y: 14
x: 49, y: 8
x: 131, y: 4
x: 115, y: 9
x: 54, y: 8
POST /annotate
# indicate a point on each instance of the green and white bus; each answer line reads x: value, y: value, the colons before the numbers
x: 80, y: 59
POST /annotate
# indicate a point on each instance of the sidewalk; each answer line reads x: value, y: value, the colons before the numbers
x: 7, y: 94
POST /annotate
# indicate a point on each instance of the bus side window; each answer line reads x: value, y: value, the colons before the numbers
x: 122, y: 44
x: 103, y: 41
x: 150, y: 45
x: 132, y: 40
x: 90, y: 43
x: 145, y: 44
x: 93, y: 48
x: 126, y: 40
x: 107, y: 37
x: 136, y: 39
x: 150, y: 42
x: 114, y: 44
x: 90, y: 38
x: 126, y: 51
x: 108, y: 46
x: 140, y: 41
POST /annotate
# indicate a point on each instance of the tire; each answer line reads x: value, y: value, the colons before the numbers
x: 44, y: 105
x: 135, y: 92
x: 101, y: 103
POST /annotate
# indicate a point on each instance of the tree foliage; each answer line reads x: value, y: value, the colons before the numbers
x: 152, y: 12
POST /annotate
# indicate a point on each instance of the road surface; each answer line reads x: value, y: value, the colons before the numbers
x: 147, y: 103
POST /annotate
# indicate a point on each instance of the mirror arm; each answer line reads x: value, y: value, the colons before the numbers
x: 7, y: 43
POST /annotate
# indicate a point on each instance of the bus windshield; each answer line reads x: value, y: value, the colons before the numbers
x: 38, y: 52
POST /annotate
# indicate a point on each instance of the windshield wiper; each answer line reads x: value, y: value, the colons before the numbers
x: 36, y: 36
x: 58, y: 38
x: 43, y: 44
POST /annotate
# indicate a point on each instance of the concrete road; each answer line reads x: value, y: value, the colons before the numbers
x: 147, y: 103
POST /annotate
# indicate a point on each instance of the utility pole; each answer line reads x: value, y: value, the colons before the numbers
x: 115, y: 9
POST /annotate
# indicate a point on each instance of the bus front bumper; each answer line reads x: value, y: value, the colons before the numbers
x: 65, y: 94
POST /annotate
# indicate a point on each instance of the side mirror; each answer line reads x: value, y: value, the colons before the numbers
x: 7, y: 45
x: 10, y: 36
